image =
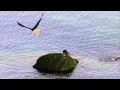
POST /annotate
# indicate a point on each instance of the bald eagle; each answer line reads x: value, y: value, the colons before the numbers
x: 35, y: 30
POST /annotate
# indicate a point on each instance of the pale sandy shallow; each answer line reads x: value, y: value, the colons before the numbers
x: 19, y: 66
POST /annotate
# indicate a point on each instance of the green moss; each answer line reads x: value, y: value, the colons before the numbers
x: 55, y: 62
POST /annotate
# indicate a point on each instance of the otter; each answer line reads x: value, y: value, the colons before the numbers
x: 66, y: 52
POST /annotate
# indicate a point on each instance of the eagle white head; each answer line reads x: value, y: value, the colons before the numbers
x: 36, y: 31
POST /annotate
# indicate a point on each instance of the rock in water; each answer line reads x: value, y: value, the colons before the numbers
x: 56, y: 63
x: 110, y: 59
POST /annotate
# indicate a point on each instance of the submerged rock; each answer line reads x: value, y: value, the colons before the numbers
x: 110, y: 59
x: 56, y: 63
x: 117, y: 58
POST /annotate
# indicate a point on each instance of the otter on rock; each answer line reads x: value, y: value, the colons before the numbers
x: 66, y: 52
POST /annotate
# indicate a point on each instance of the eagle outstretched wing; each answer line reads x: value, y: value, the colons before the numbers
x: 29, y: 27
x: 37, y: 23
x: 22, y: 25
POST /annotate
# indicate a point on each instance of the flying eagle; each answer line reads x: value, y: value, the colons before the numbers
x: 35, y: 30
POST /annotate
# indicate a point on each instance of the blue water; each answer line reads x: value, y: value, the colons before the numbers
x: 83, y: 33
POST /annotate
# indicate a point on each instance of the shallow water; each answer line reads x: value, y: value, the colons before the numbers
x: 88, y: 36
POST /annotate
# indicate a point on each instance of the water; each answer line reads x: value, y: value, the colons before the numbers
x: 88, y: 36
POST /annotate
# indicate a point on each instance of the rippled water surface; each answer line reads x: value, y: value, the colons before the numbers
x: 88, y: 36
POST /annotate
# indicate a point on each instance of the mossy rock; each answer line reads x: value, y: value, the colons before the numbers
x: 55, y: 63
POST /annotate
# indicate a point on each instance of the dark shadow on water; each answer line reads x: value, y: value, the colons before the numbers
x: 66, y: 73
x: 56, y: 75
